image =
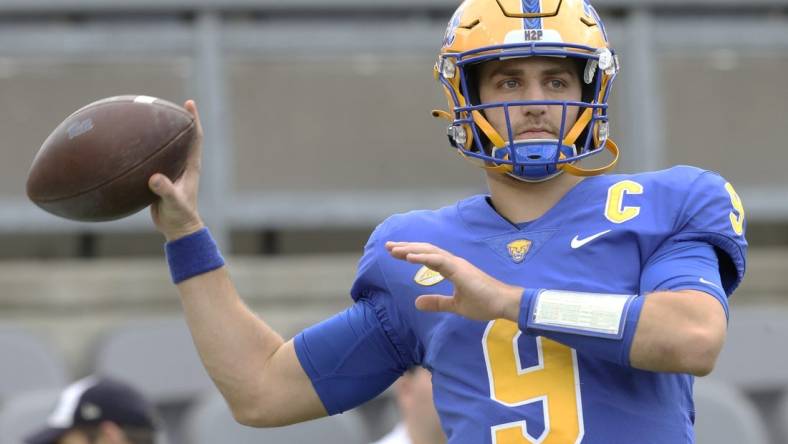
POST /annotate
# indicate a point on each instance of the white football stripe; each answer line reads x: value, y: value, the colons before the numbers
x: 145, y: 99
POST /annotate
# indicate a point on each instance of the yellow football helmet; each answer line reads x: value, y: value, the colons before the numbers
x: 484, y: 30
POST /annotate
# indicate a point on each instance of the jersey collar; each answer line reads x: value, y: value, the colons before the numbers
x: 483, y: 221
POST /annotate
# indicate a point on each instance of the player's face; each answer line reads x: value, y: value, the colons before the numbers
x: 527, y: 79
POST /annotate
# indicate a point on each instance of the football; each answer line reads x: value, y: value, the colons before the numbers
x: 96, y: 164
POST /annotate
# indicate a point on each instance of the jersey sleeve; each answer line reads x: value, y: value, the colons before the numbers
x: 685, y: 265
x: 712, y: 213
x: 356, y: 354
x: 349, y: 357
x: 371, y: 284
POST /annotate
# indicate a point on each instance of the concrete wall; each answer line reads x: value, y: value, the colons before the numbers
x: 72, y: 303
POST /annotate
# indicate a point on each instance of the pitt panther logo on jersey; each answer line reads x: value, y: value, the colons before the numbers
x: 427, y: 277
x: 518, y: 249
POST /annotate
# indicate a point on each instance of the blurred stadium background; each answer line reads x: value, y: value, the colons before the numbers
x: 317, y: 125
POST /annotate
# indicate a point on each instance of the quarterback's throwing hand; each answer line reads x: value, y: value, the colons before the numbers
x: 175, y: 213
x: 477, y: 295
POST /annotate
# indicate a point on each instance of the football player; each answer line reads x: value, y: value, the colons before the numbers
x: 566, y: 306
x: 419, y: 422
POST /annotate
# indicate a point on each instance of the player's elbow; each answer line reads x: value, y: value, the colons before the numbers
x: 268, y: 408
x: 256, y: 415
x: 247, y: 417
x: 252, y: 419
x: 253, y: 407
x: 698, y: 353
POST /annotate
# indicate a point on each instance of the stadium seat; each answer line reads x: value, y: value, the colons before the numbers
x: 210, y: 422
x: 724, y: 415
x: 159, y: 358
x: 24, y: 413
x: 752, y: 359
x: 28, y: 363
x: 781, y: 430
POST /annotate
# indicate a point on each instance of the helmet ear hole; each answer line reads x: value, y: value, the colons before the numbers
x: 472, y: 80
x: 580, y: 143
x: 587, y: 89
x: 587, y: 94
x: 484, y: 142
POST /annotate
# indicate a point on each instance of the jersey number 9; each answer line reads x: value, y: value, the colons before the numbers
x: 737, y: 215
x: 553, y: 382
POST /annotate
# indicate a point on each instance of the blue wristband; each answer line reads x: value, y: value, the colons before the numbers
x: 192, y: 255
x: 613, y: 348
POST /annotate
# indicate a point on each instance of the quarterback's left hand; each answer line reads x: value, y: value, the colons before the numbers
x: 477, y: 295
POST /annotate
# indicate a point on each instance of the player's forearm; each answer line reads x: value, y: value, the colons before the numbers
x: 259, y: 375
x: 679, y: 332
x: 234, y: 344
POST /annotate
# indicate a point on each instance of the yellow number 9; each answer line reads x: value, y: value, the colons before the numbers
x: 737, y: 216
x: 553, y: 381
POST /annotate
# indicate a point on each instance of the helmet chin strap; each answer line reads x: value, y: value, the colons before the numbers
x: 583, y: 172
x: 535, y: 159
x: 546, y: 177
x: 572, y: 136
x: 540, y: 180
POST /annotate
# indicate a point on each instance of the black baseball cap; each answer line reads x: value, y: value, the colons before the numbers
x: 91, y: 401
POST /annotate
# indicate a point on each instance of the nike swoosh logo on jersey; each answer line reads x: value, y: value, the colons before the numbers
x: 704, y: 281
x: 577, y: 242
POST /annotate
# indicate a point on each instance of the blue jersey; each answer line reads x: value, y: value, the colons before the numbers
x: 495, y: 384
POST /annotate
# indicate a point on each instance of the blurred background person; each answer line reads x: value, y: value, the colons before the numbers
x: 99, y: 411
x: 419, y: 422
